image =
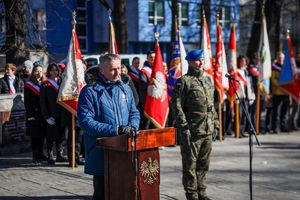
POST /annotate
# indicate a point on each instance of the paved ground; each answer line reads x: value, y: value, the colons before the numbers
x: 276, y: 173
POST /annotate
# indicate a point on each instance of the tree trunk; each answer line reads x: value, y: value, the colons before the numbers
x: 16, y: 29
x: 174, y: 19
x: 120, y: 22
x: 273, y: 16
x: 253, y: 44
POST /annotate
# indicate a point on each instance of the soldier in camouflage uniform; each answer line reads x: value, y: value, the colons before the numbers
x: 196, y: 120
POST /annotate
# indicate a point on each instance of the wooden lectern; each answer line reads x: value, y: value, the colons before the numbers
x: 120, y: 179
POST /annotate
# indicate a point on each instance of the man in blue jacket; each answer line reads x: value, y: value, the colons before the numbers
x: 105, y: 109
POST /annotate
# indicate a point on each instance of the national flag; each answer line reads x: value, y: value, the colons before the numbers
x: 73, y: 77
x: 288, y: 79
x: 220, y: 68
x: 156, y: 107
x: 225, y: 82
x: 205, y: 45
x: 232, y: 68
x: 176, y: 65
x: 113, y: 48
x: 265, y: 68
x: 184, y: 63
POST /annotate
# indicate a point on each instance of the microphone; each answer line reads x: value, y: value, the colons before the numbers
x: 230, y: 77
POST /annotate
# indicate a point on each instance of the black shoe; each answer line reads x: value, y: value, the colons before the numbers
x: 284, y: 130
x: 228, y: 133
x: 60, y: 158
x: 242, y: 135
x: 218, y: 138
x: 273, y: 132
x: 80, y: 161
x: 51, y: 161
x: 43, y: 157
x: 34, y: 160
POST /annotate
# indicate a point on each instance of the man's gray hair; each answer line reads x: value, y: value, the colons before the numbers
x: 107, y: 58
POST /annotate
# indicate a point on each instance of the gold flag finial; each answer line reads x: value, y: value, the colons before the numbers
x: 74, y: 19
x: 156, y: 36
x: 287, y: 33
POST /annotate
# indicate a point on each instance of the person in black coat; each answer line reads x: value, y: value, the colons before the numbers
x: 144, y: 78
x: 10, y: 83
x: 35, y: 123
x: 51, y: 112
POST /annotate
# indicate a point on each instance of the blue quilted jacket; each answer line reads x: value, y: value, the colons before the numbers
x: 101, y: 109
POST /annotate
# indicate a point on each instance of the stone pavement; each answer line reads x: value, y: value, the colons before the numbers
x: 276, y: 173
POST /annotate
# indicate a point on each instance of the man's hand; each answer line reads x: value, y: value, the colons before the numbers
x: 125, y: 130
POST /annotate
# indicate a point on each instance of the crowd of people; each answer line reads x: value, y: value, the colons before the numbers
x: 274, y: 102
x: 113, y: 101
x: 46, y: 120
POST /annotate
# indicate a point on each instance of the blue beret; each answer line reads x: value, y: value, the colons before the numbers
x: 38, y: 63
x: 195, y: 55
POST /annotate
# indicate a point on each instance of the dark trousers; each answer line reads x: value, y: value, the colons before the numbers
x: 54, y: 135
x: 98, y: 182
x: 37, y: 147
x: 278, y: 100
x: 227, y: 117
x: 78, y: 136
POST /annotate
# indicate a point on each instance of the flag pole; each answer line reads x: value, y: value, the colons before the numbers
x: 73, y: 117
x: 220, y: 100
x: 258, y: 109
x: 237, y: 119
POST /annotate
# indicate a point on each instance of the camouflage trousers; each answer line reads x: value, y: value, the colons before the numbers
x: 195, y: 152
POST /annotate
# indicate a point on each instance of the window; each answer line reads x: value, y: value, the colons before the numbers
x: 40, y: 19
x: 81, y: 28
x: 225, y: 17
x: 198, y: 15
x: 2, y: 23
x: 156, y: 12
x: 183, y: 17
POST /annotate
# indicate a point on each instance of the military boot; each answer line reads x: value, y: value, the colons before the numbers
x: 204, y: 198
x: 191, y: 196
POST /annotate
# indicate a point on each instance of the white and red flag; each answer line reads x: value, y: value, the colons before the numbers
x: 220, y: 68
x: 113, y: 48
x: 265, y: 68
x: 73, y: 77
x: 232, y: 62
x: 156, y: 107
x: 205, y: 45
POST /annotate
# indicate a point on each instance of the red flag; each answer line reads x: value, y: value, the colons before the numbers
x: 205, y: 45
x: 157, y: 105
x: 219, y: 65
x: 113, y: 48
x: 73, y: 77
x: 232, y: 60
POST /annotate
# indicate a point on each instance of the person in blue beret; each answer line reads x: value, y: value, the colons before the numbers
x: 196, y: 120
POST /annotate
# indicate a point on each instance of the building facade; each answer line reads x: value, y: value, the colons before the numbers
x: 49, y: 24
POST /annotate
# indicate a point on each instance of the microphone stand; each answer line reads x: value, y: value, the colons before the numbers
x: 251, y: 133
x: 134, y: 156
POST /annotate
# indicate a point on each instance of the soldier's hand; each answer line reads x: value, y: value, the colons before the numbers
x: 183, y: 128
